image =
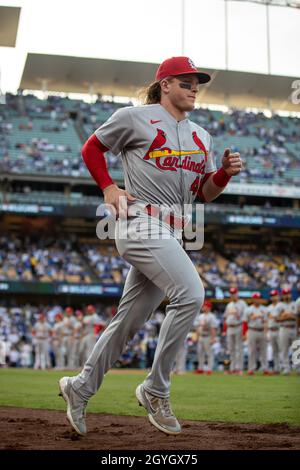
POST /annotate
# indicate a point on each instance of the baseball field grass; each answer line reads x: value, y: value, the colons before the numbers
x: 231, y: 399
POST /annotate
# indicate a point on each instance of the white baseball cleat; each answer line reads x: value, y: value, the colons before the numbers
x: 159, y: 411
x: 76, y: 406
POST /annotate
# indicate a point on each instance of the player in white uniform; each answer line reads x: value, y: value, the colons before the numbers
x: 76, y: 351
x: 57, y: 341
x: 67, y: 333
x: 273, y: 329
x: 167, y: 160
x: 287, y: 318
x: 234, y: 317
x: 206, y: 332
x: 41, y: 333
x: 256, y: 316
x: 90, y: 322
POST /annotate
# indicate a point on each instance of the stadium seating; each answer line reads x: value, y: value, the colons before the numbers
x: 269, y: 146
x: 87, y: 261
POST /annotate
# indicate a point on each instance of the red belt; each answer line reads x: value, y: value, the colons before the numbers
x: 273, y: 329
x: 288, y: 326
x: 233, y: 326
x: 174, y: 221
x: 256, y: 329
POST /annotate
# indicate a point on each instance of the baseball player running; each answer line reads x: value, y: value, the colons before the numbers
x: 256, y: 315
x: 273, y: 329
x: 206, y: 332
x: 287, y: 318
x: 167, y: 160
x: 234, y: 317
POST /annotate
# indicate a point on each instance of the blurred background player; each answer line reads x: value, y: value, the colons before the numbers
x: 273, y: 329
x: 57, y: 341
x: 256, y: 315
x: 67, y: 334
x: 76, y: 352
x: 91, y: 327
x: 41, y: 332
x: 234, y: 317
x: 206, y: 332
x: 287, y: 319
x: 180, y: 359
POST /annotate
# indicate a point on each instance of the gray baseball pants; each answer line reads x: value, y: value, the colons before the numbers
x: 160, y: 268
x: 235, y: 347
x: 286, y: 337
x: 180, y: 360
x: 204, y: 348
x: 274, y: 339
x: 257, y: 342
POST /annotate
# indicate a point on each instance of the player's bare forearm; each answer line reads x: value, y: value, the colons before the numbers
x: 216, y: 183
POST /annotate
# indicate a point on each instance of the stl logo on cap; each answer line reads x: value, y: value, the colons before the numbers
x: 192, y: 64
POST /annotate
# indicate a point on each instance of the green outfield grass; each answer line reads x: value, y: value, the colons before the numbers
x: 245, y: 399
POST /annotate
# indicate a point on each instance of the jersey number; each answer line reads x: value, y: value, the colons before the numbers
x: 195, y: 185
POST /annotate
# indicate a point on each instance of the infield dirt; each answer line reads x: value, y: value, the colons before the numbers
x: 23, y: 428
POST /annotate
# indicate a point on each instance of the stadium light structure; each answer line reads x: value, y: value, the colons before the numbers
x: 275, y: 3
x: 267, y: 4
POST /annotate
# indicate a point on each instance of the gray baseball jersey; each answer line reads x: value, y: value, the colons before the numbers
x: 272, y: 311
x: 163, y: 160
x: 237, y: 318
x: 57, y: 331
x: 42, y: 330
x: 89, y: 322
x: 261, y: 312
x: 287, y: 307
x: 68, y: 324
x: 207, y: 321
x: 77, y: 329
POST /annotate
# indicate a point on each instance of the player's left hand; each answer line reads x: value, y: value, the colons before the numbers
x: 232, y: 162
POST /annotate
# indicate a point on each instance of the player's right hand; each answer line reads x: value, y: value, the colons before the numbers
x: 118, y: 199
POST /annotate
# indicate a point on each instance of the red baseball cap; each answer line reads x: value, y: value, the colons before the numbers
x: 207, y: 304
x: 274, y: 292
x: 233, y: 290
x: 286, y: 291
x: 69, y: 310
x: 179, y: 66
x: 256, y: 295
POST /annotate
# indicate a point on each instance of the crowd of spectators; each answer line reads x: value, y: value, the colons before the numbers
x: 59, y: 259
x: 110, y: 267
x: 271, y: 269
x: 274, y: 152
x: 44, y: 260
x: 215, y: 270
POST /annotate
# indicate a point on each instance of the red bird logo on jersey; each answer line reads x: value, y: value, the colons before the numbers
x: 199, y: 144
x: 157, y: 143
